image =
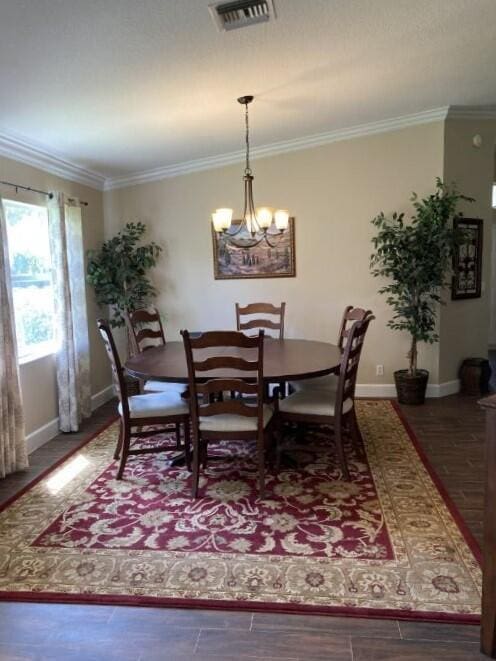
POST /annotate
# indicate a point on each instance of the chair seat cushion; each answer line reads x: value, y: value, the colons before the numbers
x: 156, y: 405
x: 313, y: 402
x: 228, y: 422
x: 327, y: 382
x: 163, y: 386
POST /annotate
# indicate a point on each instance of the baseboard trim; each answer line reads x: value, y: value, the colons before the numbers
x: 443, y: 389
x: 101, y: 397
x: 46, y: 432
x: 434, y: 390
x: 42, y: 435
x: 375, y: 390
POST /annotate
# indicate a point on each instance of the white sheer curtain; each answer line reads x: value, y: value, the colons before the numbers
x: 73, y: 377
x: 13, y: 451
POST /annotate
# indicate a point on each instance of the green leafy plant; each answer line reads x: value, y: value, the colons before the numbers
x: 119, y: 272
x: 417, y: 258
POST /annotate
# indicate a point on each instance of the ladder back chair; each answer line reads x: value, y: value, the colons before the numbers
x: 276, y: 323
x: 350, y: 315
x: 233, y: 419
x: 273, y: 319
x: 332, y: 407
x: 330, y: 381
x: 145, y: 328
x: 138, y: 411
x: 146, y: 331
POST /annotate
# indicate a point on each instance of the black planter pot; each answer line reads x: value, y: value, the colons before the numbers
x: 411, y: 389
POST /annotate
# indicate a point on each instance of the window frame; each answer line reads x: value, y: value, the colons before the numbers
x: 43, y: 349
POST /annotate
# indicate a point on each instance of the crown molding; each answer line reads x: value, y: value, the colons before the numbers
x: 472, y: 112
x: 24, y: 151
x: 19, y: 149
x: 275, y: 148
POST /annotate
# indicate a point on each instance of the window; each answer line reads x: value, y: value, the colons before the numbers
x: 494, y: 196
x: 31, y: 274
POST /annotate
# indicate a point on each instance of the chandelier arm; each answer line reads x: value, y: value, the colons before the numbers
x: 255, y: 242
x: 255, y: 227
x: 247, y: 141
x: 272, y: 245
x: 240, y: 227
x: 263, y: 236
x: 252, y: 244
x: 246, y: 209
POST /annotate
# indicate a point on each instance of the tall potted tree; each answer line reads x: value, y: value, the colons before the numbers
x: 119, y: 272
x: 416, y: 257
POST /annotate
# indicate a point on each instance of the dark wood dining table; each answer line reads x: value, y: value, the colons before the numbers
x: 284, y: 360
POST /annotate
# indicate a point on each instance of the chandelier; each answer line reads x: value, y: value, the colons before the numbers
x: 256, y: 225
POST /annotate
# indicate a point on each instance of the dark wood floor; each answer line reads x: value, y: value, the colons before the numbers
x: 451, y: 432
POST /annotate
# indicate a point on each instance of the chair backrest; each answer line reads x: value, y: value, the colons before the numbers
x: 145, y: 329
x: 276, y: 323
x: 350, y: 361
x: 235, y: 351
x: 350, y: 315
x: 115, y: 364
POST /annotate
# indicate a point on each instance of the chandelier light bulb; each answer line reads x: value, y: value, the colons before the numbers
x: 216, y: 222
x: 281, y: 218
x: 264, y: 217
x: 221, y: 219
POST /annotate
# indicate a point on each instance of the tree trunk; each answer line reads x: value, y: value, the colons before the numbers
x: 412, y: 355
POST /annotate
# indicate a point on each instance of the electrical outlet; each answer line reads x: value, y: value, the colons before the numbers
x: 379, y: 370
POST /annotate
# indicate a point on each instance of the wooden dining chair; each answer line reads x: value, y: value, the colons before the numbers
x: 146, y: 331
x: 350, y: 315
x: 248, y: 317
x: 331, y: 407
x: 236, y: 419
x: 330, y: 381
x: 275, y: 320
x: 138, y: 411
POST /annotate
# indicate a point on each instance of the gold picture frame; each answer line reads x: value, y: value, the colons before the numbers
x: 261, y: 261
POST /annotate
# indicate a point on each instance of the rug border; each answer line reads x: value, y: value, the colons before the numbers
x: 171, y: 602
x: 252, y: 606
x: 472, y: 543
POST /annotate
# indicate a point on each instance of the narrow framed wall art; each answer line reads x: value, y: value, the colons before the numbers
x: 467, y: 260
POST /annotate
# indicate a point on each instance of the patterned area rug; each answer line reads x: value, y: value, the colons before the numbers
x: 386, y: 543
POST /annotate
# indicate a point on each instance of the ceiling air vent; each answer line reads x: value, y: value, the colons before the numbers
x: 240, y: 13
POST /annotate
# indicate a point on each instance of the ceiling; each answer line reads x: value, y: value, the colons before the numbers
x: 125, y: 86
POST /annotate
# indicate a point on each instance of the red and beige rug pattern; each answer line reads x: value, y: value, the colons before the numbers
x: 385, y: 543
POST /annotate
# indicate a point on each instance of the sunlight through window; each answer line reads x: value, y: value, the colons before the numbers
x: 67, y: 473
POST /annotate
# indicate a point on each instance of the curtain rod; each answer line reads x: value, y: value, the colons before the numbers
x: 35, y: 190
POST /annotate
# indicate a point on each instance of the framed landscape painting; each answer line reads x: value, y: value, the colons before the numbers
x: 467, y: 260
x: 276, y: 260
